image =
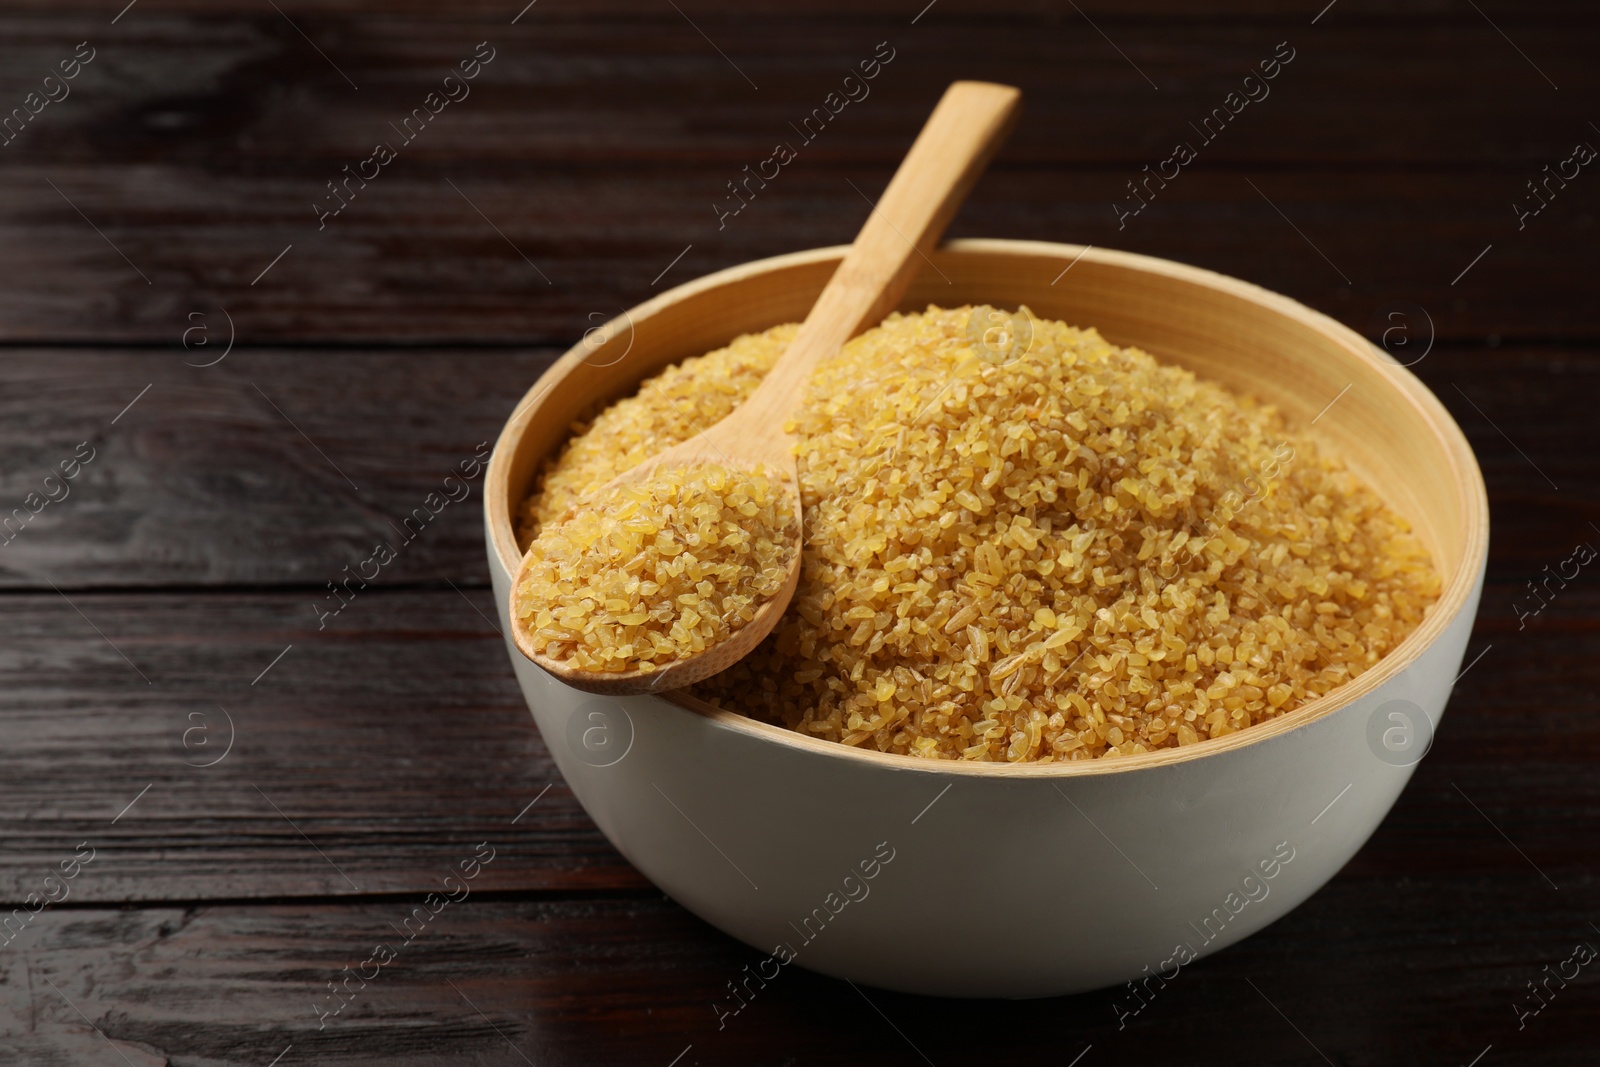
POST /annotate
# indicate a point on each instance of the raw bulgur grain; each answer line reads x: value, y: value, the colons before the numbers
x: 651, y: 572
x: 668, y: 410
x: 1080, y: 552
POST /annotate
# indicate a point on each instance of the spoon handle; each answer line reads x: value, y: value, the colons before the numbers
x: 955, y: 145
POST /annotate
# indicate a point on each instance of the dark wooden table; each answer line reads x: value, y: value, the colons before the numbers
x: 263, y: 798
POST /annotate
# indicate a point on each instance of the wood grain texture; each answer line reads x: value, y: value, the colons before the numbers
x: 600, y: 149
x: 822, y: 12
x: 203, y: 483
x: 363, y: 761
x: 397, y: 736
x: 497, y: 983
x: 270, y: 467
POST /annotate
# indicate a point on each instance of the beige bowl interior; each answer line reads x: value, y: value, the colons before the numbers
x: 1384, y: 423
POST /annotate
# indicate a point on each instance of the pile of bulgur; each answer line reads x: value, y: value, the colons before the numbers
x: 1053, y: 548
x: 644, y: 574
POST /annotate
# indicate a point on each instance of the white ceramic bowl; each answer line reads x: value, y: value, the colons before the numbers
x: 1015, y: 880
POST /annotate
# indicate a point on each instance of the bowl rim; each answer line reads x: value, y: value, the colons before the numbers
x: 1455, y: 592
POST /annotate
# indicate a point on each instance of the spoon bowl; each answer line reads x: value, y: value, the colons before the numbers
x: 773, y: 454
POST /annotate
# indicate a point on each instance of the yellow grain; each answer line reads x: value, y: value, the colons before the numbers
x: 1074, y: 554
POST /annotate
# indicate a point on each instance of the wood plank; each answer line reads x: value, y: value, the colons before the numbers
x: 1104, y: 12
x: 443, y: 275
x: 600, y: 149
x: 634, y: 981
x: 207, y: 480
x: 575, y: 90
x: 269, y: 467
x: 364, y: 755
x: 372, y: 751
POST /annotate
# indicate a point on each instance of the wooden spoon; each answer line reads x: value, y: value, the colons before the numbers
x: 960, y: 137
